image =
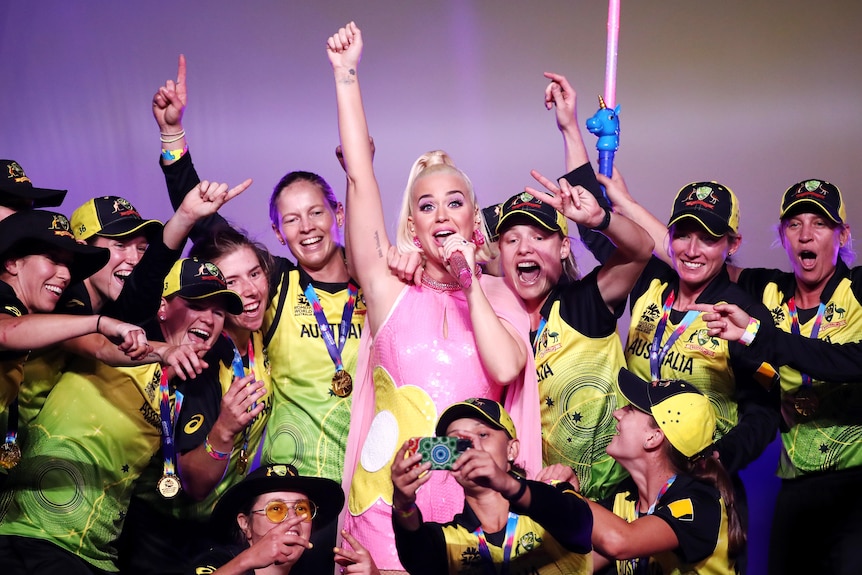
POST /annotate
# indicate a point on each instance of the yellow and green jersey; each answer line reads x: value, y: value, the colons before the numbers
x: 831, y: 438
x: 578, y: 357
x: 309, y: 423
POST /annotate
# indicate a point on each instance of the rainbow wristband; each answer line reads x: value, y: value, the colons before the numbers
x: 750, y: 332
x: 405, y: 513
x: 174, y: 155
x: 213, y: 452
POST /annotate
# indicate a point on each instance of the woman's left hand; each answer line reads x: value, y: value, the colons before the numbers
x: 576, y: 203
x: 457, y: 243
x: 358, y: 560
x: 478, y: 467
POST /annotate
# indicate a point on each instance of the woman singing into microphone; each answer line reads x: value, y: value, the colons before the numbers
x: 454, y: 336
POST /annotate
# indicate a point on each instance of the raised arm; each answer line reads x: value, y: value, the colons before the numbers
x: 626, y: 205
x: 560, y: 96
x: 621, y: 270
x: 367, y: 242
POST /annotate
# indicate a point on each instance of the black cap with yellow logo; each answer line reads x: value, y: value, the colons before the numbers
x: 35, y: 231
x: 16, y: 188
x: 111, y: 217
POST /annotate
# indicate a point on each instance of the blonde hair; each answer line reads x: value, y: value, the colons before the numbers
x: 429, y: 163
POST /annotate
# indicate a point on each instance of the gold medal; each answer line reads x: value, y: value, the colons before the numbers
x: 168, y: 486
x: 342, y: 383
x: 806, y: 402
x: 10, y: 455
x: 242, y: 462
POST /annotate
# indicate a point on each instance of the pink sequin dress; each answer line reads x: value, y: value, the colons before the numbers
x: 424, y: 359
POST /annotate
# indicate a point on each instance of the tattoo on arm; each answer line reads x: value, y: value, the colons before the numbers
x: 377, y: 243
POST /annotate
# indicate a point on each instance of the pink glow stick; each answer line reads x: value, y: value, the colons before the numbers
x: 611, y: 63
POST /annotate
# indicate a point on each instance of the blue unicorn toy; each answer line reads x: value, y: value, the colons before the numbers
x: 605, y: 124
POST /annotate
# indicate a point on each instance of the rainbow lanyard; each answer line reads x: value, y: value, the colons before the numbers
x: 794, y: 328
x: 326, y: 331
x: 12, y: 423
x: 636, y: 565
x: 485, y: 553
x: 167, y: 422
x: 542, y: 325
x: 658, y: 351
x: 239, y: 371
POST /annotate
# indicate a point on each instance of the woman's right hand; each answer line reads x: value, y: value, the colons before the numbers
x: 169, y: 102
x: 344, y: 48
x: 560, y: 95
x: 236, y: 405
x: 278, y: 546
x: 408, y: 474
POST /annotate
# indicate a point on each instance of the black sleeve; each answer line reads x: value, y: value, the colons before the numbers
x: 200, y: 409
x: 600, y: 246
x: 180, y: 178
x: 694, y: 514
x: 563, y: 513
x: 142, y: 291
x: 582, y: 307
x: 836, y: 362
x: 757, y: 396
x: 421, y: 552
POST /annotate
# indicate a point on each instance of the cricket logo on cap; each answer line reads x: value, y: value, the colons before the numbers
x: 61, y: 227
x: 702, y: 196
x: 16, y: 173
x: 812, y: 189
x: 209, y: 271
x: 124, y: 209
x: 280, y: 471
x: 524, y: 199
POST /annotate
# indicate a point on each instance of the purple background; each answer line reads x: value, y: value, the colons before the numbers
x: 754, y: 95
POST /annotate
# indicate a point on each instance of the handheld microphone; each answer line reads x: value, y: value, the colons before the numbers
x: 461, y: 269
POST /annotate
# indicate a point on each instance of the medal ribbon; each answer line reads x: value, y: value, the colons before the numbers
x: 167, y: 424
x: 542, y: 325
x: 485, y: 553
x: 239, y: 371
x: 12, y: 423
x: 326, y: 331
x: 658, y: 351
x: 794, y: 328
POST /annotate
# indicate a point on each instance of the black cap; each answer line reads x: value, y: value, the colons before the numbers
x: 822, y: 195
x: 16, y: 186
x: 527, y: 207
x: 486, y: 410
x: 111, y: 217
x: 712, y: 205
x: 50, y: 228
x: 325, y: 493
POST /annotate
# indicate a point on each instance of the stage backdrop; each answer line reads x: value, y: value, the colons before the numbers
x: 754, y: 95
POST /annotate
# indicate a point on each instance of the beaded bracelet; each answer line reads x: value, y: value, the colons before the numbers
x: 173, y: 137
x: 213, y: 452
x: 750, y: 332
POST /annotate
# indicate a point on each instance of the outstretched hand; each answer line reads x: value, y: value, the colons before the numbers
x: 576, y: 203
x: 358, y: 560
x: 560, y: 95
x: 169, y: 102
x: 207, y: 197
x: 344, y: 48
x: 725, y: 320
